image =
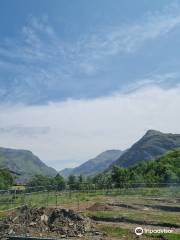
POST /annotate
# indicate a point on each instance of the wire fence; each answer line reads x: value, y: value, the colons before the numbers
x: 52, y: 195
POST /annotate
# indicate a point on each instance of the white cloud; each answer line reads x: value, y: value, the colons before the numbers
x: 163, y: 79
x: 80, y: 129
x: 128, y: 38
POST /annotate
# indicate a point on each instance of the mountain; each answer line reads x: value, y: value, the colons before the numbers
x: 66, y: 172
x: 23, y: 162
x: 152, y: 144
x: 94, y: 165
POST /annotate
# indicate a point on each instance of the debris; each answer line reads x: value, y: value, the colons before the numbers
x: 45, y: 222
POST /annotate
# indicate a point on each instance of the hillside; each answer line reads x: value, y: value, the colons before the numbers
x: 165, y: 169
x: 94, y: 165
x: 23, y: 162
x: 152, y: 144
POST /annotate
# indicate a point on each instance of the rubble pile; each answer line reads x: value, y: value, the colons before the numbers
x: 45, y: 222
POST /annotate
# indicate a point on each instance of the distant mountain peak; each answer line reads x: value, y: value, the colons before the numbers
x: 154, y: 143
x: 94, y: 165
x: 152, y: 132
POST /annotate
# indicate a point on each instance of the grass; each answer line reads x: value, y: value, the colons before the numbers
x: 172, y: 236
x: 126, y: 234
x: 166, y: 236
x: 8, y: 200
x: 116, y: 232
x: 151, y: 216
x: 172, y: 191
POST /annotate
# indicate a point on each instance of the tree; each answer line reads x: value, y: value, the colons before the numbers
x: 103, y: 180
x: 80, y: 182
x: 59, y: 182
x: 170, y: 176
x: 39, y: 182
x: 120, y: 176
x: 6, y: 179
x: 72, y: 182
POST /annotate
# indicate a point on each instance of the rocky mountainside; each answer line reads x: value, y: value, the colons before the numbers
x: 152, y: 144
x: 23, y: 162
x: 95, y: 165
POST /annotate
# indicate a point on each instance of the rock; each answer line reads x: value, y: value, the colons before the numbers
x: 15, y: 219
x: 32, y: 224
x: 80, y: 235
x: 11, y: 232
x: 44, y: 219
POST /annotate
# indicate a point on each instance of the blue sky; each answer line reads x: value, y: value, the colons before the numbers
x: 68, y: 58
x: 51, y: 51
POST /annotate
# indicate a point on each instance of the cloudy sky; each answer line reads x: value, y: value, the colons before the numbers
x: 80, y: 77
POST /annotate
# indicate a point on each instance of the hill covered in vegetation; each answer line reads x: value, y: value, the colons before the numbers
x: 162, y: 170
x: 23, y: 162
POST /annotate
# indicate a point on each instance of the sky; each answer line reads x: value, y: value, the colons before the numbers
x: 81, y: 77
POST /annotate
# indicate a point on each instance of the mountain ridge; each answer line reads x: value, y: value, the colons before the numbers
x: 94, y: 165
x: 154, y: 143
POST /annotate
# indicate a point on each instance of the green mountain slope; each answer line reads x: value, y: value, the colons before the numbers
x: 95, y: 165
x: 165, y: 169
x: 23, y: 162
x: 152, y: 144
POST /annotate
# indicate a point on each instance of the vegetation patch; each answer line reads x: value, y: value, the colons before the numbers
x: 114, y: 231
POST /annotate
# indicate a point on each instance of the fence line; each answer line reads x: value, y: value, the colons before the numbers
x: 11, y: 199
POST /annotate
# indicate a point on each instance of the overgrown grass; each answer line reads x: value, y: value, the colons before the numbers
x: 116, y: 232
x: 122, y: 233
x: 172, y: 191
x: 153, y: 217
x: 165, y: 236
x: 8, y: 201
x: 171, y: 236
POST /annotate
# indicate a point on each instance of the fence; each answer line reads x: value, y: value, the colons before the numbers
x: 51, y: 195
